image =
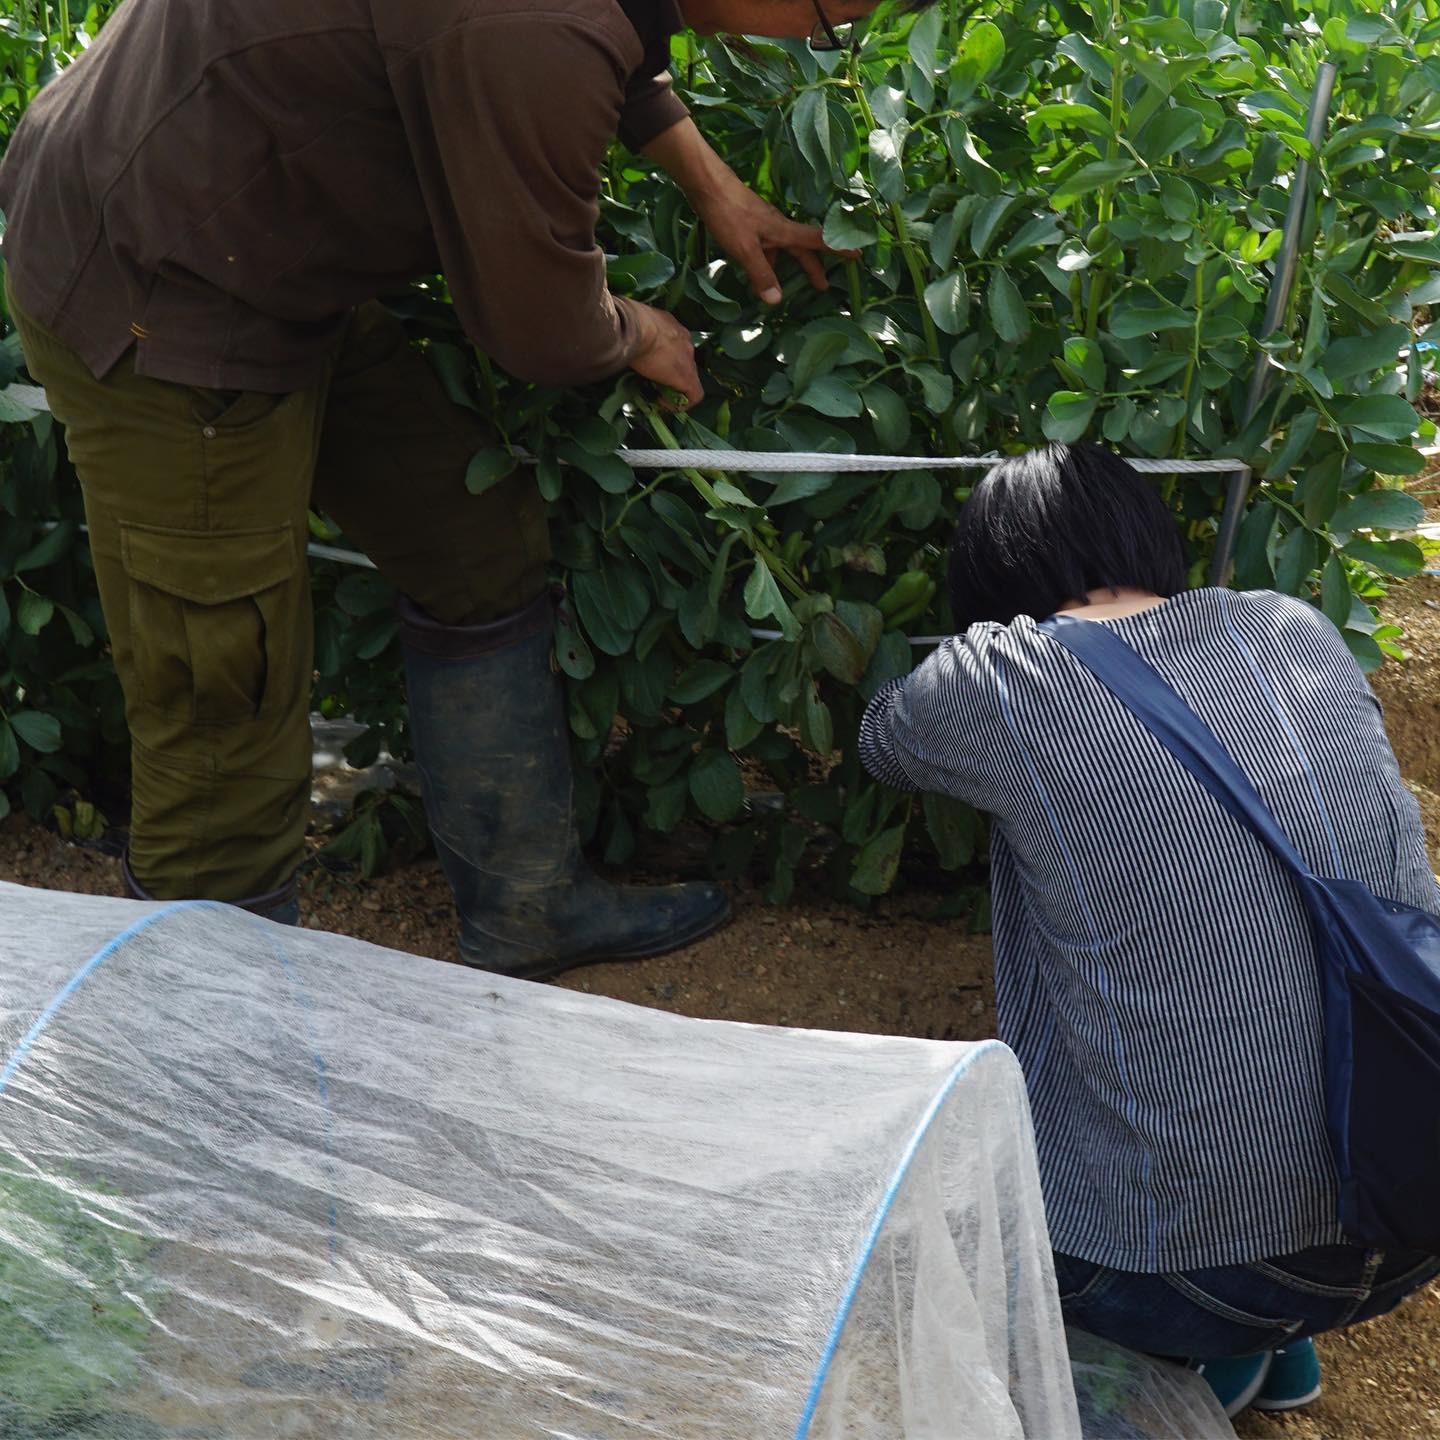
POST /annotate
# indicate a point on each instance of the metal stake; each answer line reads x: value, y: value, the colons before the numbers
x: 1286, y: 261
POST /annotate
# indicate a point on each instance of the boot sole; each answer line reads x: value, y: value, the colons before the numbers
x: 548, y: 969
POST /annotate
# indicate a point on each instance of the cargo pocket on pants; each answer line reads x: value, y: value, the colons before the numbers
x: 212, y: 620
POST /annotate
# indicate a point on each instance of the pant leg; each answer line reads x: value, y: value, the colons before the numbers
x: 391, y: 471
x: 1237, y: 1309
x: 196, y: 505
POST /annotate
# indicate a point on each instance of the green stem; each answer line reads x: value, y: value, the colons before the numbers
x: 1192, y: 368
x: 902, y: 230
x: 1105, y: 205
x: 706, y: 491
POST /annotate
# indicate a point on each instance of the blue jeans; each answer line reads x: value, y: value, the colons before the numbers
x: 1239, y: 1309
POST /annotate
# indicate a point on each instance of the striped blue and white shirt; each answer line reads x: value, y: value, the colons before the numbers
x: 1153, y: 966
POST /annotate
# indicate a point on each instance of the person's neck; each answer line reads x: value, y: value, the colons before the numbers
x: 1111, y: 604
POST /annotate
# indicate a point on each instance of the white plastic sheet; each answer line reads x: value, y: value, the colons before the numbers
x: 259, y: 1182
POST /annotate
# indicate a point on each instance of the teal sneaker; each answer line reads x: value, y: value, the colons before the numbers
x: 1294, y: 1378
x: 1236, y: 1380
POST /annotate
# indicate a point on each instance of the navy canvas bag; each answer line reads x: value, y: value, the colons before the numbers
x: 1379, y: 972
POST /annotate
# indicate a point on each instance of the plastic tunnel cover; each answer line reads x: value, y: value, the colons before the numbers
x: 258, y: 1182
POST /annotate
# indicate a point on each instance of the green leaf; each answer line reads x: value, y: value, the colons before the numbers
x: 831, y: 395
x: 819, y: 355
x: 741, y: 727
x: 885, y: 165
x: 609, y: 472
x: 613, y: 603
x: 1297, y: 442
x: 846, y: 229
x: 549, y: 478
x: 1388, y: 416
x: 1252, y: 546
x: 630, y: 274
x: 810, y: 121
x: 489, y: 467
x: 1379, y: 510
x: 9, y: 750
x: 937, y: 388
x: 572, y: 653
x: 34, y: 612
x: 1389, y: 459
x: 763, y: 600
x: 1319, y: 491
x: 48, y: 549
x: 1335, y: 597
x: 817, y: 728
x: 924, y: 38
x: 978, y: 56
x: 1118, y: 420
x: 1372, y: 30
x: 839, y: 649
x: 1169, y: 131
x: 888, y: 414
x: 988, y: 220
x: 1401, y: 558
x: 800, y: 485
x: 1094, y: 62
x: 39, y: 731
x: 1294, y: 560
x: 1067, y: 416
x: 1367, y: 653
x: 13, y: 410
x: 1089, y: 178
x: 1361, y: 354
x: 1131, y: 321
x: 665, y: 804
x: 700, y: 681
x: 948, y: 301
x: 1087, y: 359
x: 878, y: 862
x: 1084, y: 117
x: 716, y: 785
x: 1007, y: 310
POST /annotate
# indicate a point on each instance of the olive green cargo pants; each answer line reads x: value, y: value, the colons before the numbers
x: 196, y: 502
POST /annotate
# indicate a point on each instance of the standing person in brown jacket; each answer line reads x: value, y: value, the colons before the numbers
x: 201, y: 211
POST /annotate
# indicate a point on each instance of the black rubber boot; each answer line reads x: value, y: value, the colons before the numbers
x: 491, y: 742
x: 282, y: 905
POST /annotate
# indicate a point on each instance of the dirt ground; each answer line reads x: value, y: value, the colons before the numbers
x: 896, y: 970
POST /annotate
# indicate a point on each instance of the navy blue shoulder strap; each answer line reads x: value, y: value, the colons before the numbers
x: 1137, y: 685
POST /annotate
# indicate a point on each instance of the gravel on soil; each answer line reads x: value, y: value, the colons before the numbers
x: 895, y: 969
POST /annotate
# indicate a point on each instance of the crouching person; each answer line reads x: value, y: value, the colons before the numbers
x: 1154, y: 967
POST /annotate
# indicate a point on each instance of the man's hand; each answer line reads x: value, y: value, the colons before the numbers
x: 666, y: 354
x: 750, y: 230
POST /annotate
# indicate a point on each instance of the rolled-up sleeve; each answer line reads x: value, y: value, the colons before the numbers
x: 651, y: 108
x: 508, y: 119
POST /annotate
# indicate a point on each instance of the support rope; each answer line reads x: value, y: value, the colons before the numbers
x: 812, y: 461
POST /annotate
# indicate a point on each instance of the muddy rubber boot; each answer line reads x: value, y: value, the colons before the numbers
x: 282, y: 905
x: 492, y: 745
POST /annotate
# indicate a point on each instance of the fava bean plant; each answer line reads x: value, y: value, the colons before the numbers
x: 1067, y: 218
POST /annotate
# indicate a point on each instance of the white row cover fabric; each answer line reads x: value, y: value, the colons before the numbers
x: 258, y: 1182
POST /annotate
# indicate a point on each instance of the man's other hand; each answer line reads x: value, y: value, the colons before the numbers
x: 666, y: 354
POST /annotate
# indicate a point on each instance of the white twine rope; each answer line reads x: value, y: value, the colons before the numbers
x: 817, y: 462
x: 814, y: 461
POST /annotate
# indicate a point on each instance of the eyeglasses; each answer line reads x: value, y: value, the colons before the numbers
x: 826, y: 37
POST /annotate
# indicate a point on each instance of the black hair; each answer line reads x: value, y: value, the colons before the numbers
x: 1049, y: 526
